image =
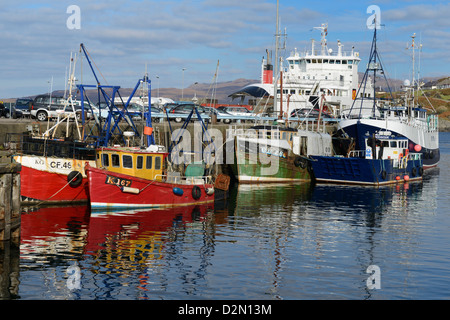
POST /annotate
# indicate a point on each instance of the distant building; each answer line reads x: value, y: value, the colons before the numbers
x: 438, y: 84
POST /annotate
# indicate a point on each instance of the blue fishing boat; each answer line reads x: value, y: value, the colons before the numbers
x: 386, y: 159
x: 404, y: 117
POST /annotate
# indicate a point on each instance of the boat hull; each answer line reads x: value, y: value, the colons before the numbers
x: 47, y: 179
x: 363, y: 171
x: 248, y: 167
x: 428, y: 139
x: 115, y: 191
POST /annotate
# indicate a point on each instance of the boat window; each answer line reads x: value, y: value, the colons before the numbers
x: 393, y: 144
x: 338, y: 61
x: 319, y: 60
x: 105, y: 160
x: 149, y: 162
x: 350, y: 61
x: 115, y: 160
x: 127, y: 161
x: 325, y: 60
x: 308, y: 60
x: 157, y: 163
x: 385, y: 143
x: 139, y: 162
x: 344, y: 61
x: 331, y: 61
x: 304, y: 145
x: 314, y: 61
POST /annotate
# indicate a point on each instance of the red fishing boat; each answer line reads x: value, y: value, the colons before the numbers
x: 127, y: 178
x: 53, y: 169
x: 53, y: 165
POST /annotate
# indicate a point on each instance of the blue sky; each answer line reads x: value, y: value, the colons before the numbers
x: 123, y: 36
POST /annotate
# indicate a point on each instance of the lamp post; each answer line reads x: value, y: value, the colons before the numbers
x: 157, y: 77
x: 182, y: 88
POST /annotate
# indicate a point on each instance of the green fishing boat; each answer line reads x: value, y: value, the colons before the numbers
x: 276, y: 154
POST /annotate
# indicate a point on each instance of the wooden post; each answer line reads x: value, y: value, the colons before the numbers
x: 9, y: 198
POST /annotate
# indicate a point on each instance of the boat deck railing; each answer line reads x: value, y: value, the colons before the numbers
x: 255, y: 118
x: 179, y: 179
x: 430, y: 123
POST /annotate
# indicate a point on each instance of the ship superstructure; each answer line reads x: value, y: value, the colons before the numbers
x: 319, y: 71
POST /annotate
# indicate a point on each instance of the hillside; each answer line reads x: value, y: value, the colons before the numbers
x: 440, y: 99
x: 200, y: 90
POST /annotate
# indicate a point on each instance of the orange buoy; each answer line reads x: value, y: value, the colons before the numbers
x: 148, y: 131
x: 397, y: 178
x: 406, y: 177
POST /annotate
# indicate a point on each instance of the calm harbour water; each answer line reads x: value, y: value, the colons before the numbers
x: 266, y: 243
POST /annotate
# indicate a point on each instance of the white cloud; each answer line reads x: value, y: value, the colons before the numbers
x: 123, y: 35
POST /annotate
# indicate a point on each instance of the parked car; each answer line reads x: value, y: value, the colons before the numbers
x: 186, y: 108
x: 237, y: 111
x: 15, y: 113
x: 216, y: 111
x: 136, y: 111
x: 308, y: 113
x: 24, y: 105
x: 169, y: 106
x: 5, y: 112
x: 44, y: 107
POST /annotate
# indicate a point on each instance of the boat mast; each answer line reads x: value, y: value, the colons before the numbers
x: 413, y: 46
x: 275, y: 87
x: 373, y: 65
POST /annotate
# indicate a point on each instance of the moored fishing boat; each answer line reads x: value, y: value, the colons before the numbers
x: 276, y: 154
x: 53, y: 163
x: 53, y: 169
x: 385, y: 160
x: 127, y: 178
x: 404, y: 119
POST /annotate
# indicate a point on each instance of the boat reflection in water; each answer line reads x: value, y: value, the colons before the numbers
x: 124, y: 233
x: 51, y: 234
x: 263, y: 242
